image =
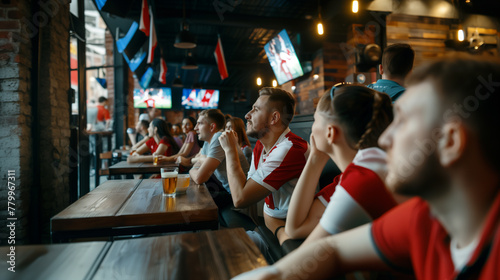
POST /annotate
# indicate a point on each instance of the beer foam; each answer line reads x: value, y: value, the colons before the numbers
x: 168, y: 174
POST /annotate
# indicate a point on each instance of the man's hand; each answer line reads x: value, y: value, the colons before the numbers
x: 228, y: 140
x: 183, y: 161
x: 162, y: 158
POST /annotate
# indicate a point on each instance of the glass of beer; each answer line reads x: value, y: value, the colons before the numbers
x: 182, y: 182
x: 169, y: 181
x: 155, y: 159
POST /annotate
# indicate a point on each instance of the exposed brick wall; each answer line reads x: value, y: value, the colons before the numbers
x: 15, y: 116
x: 53, y: 108
x: 17, y: 27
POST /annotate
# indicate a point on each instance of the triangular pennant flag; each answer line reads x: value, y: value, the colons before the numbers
x: 221, y: 61
x: 146, y: 78
x: 102, y: 82
x: 115, y: 7
x: 163, y: 71
x: 152, y: 40
x: 145, y: 21
x: 132, y: 41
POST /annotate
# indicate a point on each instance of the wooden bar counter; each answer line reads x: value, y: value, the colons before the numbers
x: 58, y: 261
x: 204, y: 255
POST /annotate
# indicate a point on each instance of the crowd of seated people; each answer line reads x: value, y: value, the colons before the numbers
x: 440, y: 150
x: 418, y: 192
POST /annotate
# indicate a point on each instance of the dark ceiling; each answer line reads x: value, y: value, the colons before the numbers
x: 244, y: 27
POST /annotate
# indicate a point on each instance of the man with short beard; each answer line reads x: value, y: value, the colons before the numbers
x: 442, y: 147
x: 278, y: 159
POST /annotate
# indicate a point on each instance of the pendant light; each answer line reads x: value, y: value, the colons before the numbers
x: 184, y: 40
x: 189, y: 62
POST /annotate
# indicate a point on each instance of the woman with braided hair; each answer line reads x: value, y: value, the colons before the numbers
x: 347, y: 124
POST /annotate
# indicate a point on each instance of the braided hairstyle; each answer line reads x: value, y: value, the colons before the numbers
x: 362, y: 112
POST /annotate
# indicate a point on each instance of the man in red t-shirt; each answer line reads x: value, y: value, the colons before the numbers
x: 442, y: 148
x: 103, y: 117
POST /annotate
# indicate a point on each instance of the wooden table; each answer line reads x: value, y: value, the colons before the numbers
x: 217, y: 255
x: 60, y: 261
x: 122, y: 207
x: 207, y: 255
x: 124, y: 167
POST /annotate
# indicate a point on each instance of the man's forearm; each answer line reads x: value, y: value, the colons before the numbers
x: 298, y: 263
x: 236, y: 176
x: 193, y: 173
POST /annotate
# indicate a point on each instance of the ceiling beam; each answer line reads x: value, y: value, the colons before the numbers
x: 235, y: 64
x: 232, y: 20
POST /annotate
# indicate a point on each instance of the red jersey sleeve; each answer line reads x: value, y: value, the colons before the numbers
x: 366, y: 187
x: 392, y: 233
x: 327, y: 192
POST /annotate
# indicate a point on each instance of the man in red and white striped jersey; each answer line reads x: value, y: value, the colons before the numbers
x: 277, y: 161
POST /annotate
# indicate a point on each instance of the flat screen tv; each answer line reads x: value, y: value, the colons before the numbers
x: 160, y: 98
x: 200, y: 98
x: 283, y: 59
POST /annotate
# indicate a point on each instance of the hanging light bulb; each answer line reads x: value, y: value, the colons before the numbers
x: 461, y: 35
x: 321, y: 31
x: 259, y: 81
x: 275, y: 84
x: 355, y: 6
x: 320, y: 28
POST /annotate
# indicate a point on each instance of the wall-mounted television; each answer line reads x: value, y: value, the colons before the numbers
x: 283, y: 59
x: 160, y: 98
x: 200, y: 98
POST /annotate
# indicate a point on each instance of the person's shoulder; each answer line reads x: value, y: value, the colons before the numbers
x: 217, y: 135
x: 165, y: 141
x: 373, y: 159
x: 296, y: 141
x: 215, y: 139
x: 355, y: 176
x: 294, y: 137
x: 150, y: 140
x: 393, y: 86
